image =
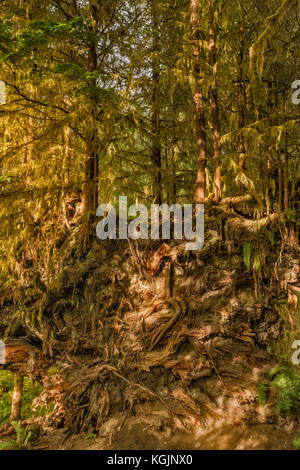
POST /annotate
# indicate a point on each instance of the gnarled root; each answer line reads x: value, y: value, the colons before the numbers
x: 178, y: 304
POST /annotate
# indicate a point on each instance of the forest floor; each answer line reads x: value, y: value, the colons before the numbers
x: 234, y: 437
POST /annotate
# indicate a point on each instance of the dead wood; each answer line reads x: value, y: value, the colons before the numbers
x: 21, y: 357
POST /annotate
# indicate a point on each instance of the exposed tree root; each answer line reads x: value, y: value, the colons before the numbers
x: 107, y: 327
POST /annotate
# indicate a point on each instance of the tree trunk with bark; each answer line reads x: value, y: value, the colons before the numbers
x: 156, y: 147
x: 279, y: 175
x: 286, y: 172
x: 91, y: 160
x: 199, y: 107
x: 90, y: 198
x: 214, y: 105
x: 16, y: 398
x: 241, y: 93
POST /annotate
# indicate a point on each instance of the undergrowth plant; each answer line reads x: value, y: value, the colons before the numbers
x: 286, y: 376
x: 287, y: 382
x: 282, y: 348
x: 21, y: 442
x: 296, y: 441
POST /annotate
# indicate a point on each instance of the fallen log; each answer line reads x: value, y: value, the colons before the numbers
x: 236, y: 200
x: 238, y: 226
x: 21, y: 357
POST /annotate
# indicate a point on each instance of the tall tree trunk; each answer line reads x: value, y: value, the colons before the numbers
x: 287, y: 197
x: 199, y: 108
x: 29, y: 139
x: 90, y: 198
x: 66, y: 172
x: 91, y: 163
x: 172, y: 178
x: 16, y: 398
x: 269, y: 150
x: 173, y: 164
x: 279, y: 163
x: 286, y: 172
x: 156, y: 147
x: 214, y: 104
x: 241, y: 98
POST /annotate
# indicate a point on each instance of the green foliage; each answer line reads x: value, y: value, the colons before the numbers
x: 247, y: 253
x: 22, y: 440
x: 39, y: 33
x: 296, y: 442
x: 282, y: 349
x: 53, y: 370
x: 74, y: 71
x: 257, y: 263
x: 286, y: 377
x: 30, y: 391
x: 262, y: 393
x: 287, y: 383
x: 44, y: 410
x: 6, y: 386
x: 291, y: 214
x: 271, y: 237
x: 6, y: 33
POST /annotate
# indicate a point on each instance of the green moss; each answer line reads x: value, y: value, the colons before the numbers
x: 53, y: 370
